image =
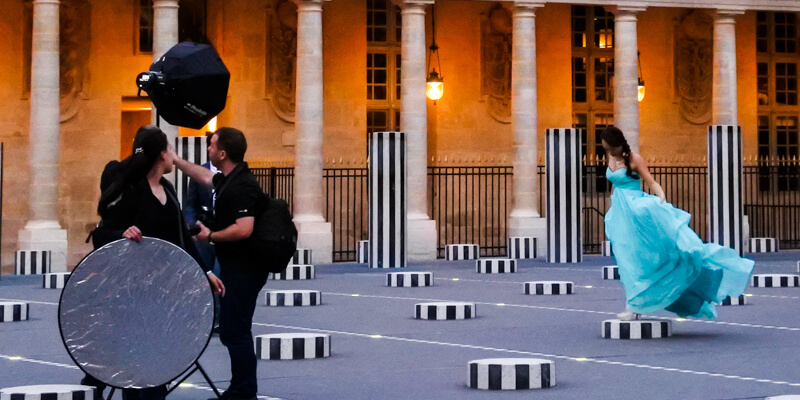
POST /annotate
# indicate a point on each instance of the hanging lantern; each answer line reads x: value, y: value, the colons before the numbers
x: 640, y: 93
x: 435, y: 84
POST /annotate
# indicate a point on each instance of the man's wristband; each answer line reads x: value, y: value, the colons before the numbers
x: 209, y: 237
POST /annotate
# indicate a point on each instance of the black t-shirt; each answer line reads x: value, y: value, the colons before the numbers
x: 237, y: 196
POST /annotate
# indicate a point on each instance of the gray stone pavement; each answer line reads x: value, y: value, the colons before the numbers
x: 379, y: 351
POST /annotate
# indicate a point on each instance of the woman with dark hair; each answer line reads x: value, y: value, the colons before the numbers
x: 137, y: 201
x: 663, y: 264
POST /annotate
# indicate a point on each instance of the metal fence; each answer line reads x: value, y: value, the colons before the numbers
x: 471, y: 204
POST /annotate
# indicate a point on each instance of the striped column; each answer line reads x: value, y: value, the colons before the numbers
x: 192, y: 149
x: 725, y: 209
x: 564, y: 219
x: 387, y: 200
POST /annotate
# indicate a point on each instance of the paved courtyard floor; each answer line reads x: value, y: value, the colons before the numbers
x: 379, y: 351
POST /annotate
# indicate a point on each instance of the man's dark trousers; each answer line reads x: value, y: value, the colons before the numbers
x: 235, y: 322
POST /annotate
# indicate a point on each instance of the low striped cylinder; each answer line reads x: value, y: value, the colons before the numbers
x: 54, y: 280
x: 511, y: 374
x: 13, y: 311
x: 294, y: 273
x: 455, y: 252
x: 48, y: 392
x: 444, y: 310
x: 496, y: 266
x: 798, y: 267
x: 293, y: 346
x: 409, y: 279
x: 636, y: 329
x: 734, y: 301
x: 362, y: 252
x: 774, y: 280
x: 293, y: 298
x: 194, y: 150
x: 607, y: 249
x: 548, y: 287
x: 30, y: 262
x: 763, y: 245
x: 301, y: 257
x: 563, y: 166
x: 388, y: 205
x: 610, y: 272
x: 521, y: 247
x: 725, y: 210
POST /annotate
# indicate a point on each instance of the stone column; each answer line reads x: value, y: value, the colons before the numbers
x: 165, y: 35
x: 626, y: 74
x: 525, y: 220
x: 724, y: 93
x: 42, y: 231
x: 422, y: 234
x: 314, y: 232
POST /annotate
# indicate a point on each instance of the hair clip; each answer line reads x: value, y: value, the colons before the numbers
x: 138, y: 150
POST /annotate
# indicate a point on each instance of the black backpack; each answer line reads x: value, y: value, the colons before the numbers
x: 274, y: 238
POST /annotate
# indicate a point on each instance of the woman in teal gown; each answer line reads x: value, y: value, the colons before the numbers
x: 663, y: 264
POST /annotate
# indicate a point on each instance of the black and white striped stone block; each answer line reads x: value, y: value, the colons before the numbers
x: 54, y: 280
x: 462, y: 252
x: 444, y: 310
x: 293, y: 298
x: 511, y: 374
x: 388, y: 205
x: 549, y: 287
x: 362, y: 252
x: 564, y: 218
x: 725, y: 187
x: 606, y: 251
x: 496, y: 266
x: 293, y: 346
x: 763, y: 245
x: 409, y: 279
x: 734, y: 301
x: 610, y: 272
x: 521, y: 247
x: 13, y: 311
x: 29, y: 262
x: 301, y: 257
x: 636, y: 329
x: 48, y: 392
x: 294, y: 273
x: 774, y: 280
x: 194, y: 150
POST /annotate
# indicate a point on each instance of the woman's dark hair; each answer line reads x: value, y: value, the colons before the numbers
x: 232, y: 141
x: 148, y: 144
x: 614, y: 137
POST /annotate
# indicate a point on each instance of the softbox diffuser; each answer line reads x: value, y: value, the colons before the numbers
x: 188, y: 84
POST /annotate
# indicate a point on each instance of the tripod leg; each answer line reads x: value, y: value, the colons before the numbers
x: 111, y: 393
x: 202, y: 371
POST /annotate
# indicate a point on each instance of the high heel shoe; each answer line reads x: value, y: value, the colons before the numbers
x: 627, y: 315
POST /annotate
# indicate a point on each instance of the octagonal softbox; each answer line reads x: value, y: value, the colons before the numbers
x: 136, y: 315
x: 188, y: 84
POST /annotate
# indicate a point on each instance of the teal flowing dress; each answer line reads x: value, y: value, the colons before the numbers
x: 663, y: 264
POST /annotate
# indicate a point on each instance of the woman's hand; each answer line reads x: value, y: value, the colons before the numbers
x: 133, y: 233
x: 216, y: 284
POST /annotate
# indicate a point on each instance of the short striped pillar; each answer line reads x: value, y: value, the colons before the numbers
x: 388, y: 207
x: 636, y: 329
x: 29, y: 262
x: 295, y: 273
x: 763, y: 245
x: 607, y: 252
x: 548, y: 287
x: 301, y: 257
x: 521, y: 247
x: 564, y: 218
x: 13, y: 311
x: 293, y: 298
x: 610, y: 272
x: 194, y: 150
x: 496, y: 266
x: 44, y: 392
x: 734, y: 301
x: 774, y: 280
x: 725, y: 211
x: 444, y: 310
x: 409, y: 279
x: 362, y: 252
x: 54, y: 280
x: 454, y: 252
x: 293, y: 346
x: 511, y: 374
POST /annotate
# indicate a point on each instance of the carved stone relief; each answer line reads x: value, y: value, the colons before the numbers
x: 74, y: 40
x: 282, y: 58
x: 694, y: 63
x: 496, y: 29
